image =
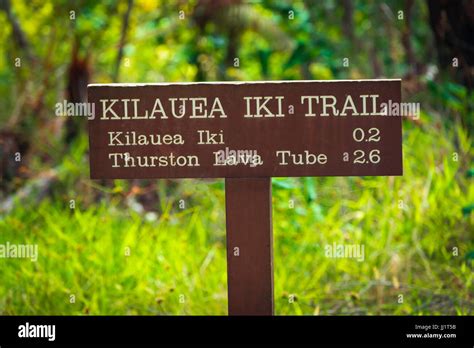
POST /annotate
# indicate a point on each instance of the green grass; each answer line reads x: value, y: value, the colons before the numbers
x: 409, y: 226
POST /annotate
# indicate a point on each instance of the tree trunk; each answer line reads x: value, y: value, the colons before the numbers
x: 452, y: 23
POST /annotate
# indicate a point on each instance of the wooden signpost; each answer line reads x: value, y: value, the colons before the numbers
x: 246, y: 132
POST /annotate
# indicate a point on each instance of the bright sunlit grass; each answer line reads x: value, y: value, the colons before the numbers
x: 111, y: 260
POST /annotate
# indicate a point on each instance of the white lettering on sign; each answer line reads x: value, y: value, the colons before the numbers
x: 306, y: 158
x: 177, y: 108
x: 328, y: 104
x: 128, y: 161
x: 132, y: 139
x: 255, y: 107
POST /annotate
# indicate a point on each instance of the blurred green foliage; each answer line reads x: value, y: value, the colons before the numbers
x: 410, y: 225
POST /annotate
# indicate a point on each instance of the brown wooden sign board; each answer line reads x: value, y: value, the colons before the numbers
x: 246, y: 132
x: 231, y: 130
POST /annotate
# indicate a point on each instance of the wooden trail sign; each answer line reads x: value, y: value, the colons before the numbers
x: 246, y: 132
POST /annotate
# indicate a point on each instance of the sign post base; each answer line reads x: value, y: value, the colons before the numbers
x: 249, y: 246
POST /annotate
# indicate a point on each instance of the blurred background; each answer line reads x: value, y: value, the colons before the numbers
x: 158, y: 246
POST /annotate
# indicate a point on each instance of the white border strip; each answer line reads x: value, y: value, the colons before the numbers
x: 229, y: 82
